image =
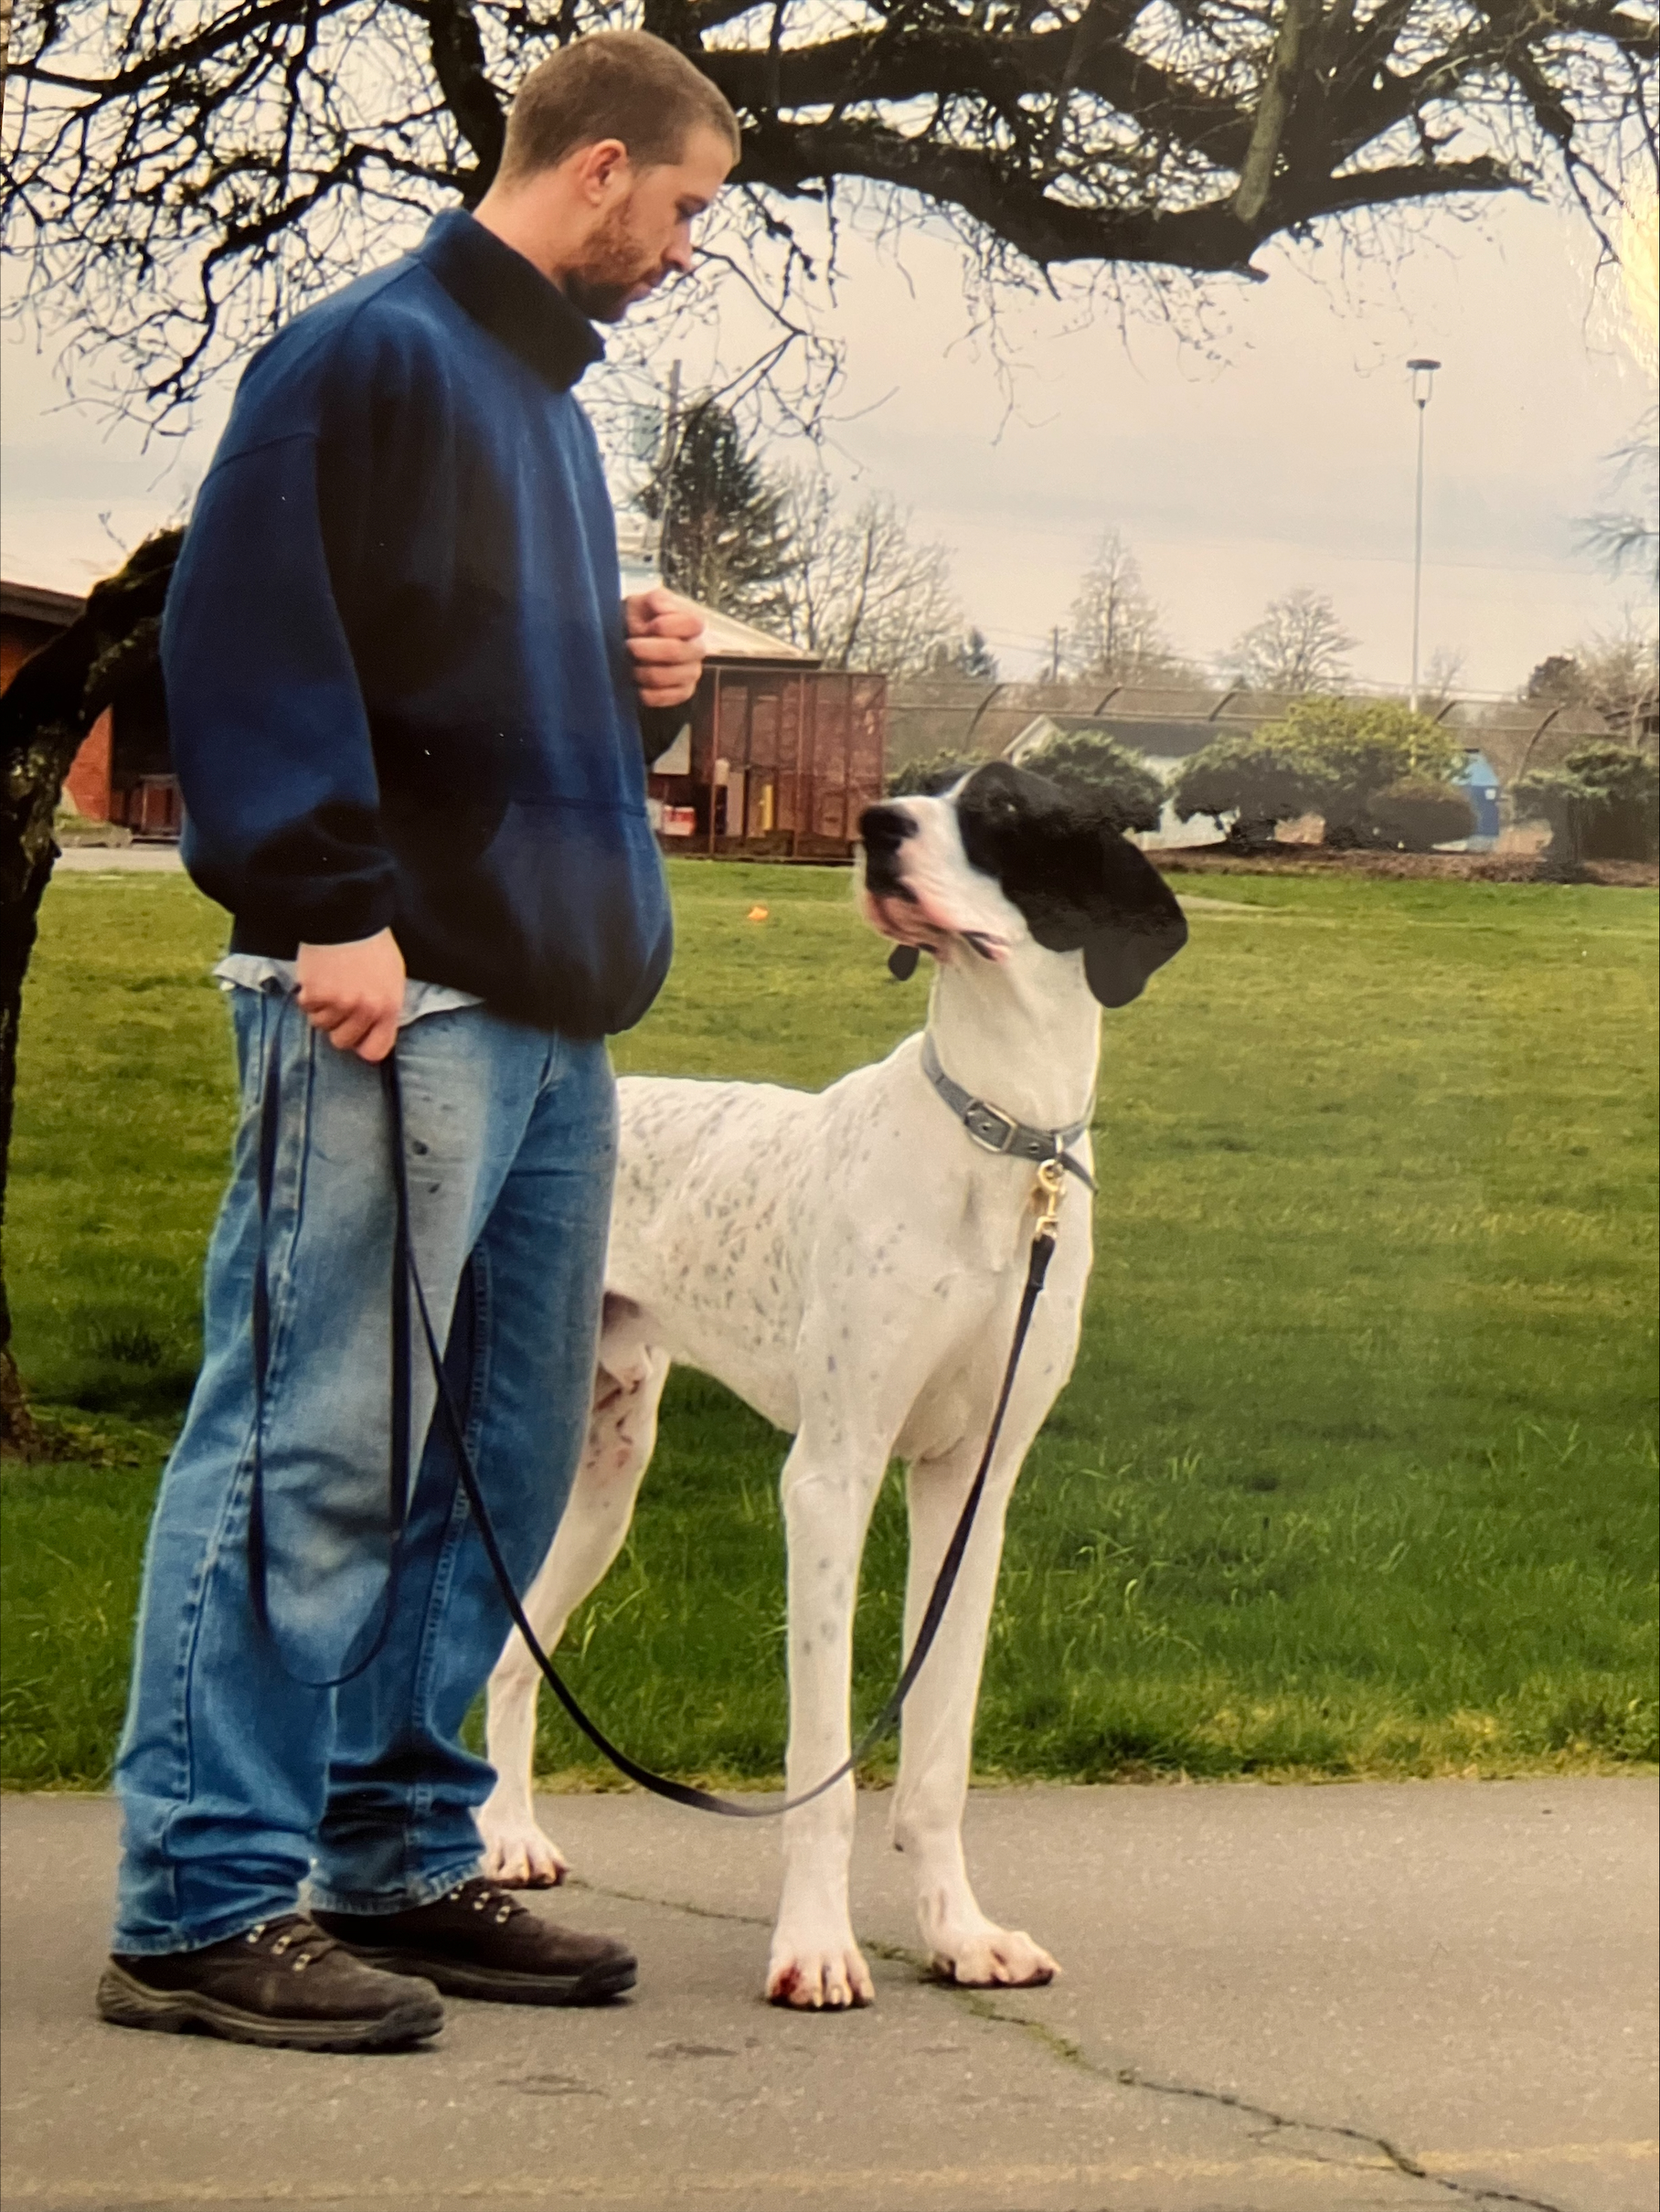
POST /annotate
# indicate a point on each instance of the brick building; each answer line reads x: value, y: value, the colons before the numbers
x: 122, y: 773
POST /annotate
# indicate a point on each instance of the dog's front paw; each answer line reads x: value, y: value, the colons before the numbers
x: 995, y: 1957
x: 830, y: 1977
x: 519, y: 1857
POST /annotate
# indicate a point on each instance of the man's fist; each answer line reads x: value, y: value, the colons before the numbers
x: 665, y: 645
x: 353, y: 993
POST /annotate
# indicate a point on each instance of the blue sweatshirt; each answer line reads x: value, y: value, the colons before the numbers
x: 397, y: 689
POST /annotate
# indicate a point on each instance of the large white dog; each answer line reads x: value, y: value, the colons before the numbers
x: 851, y: 1263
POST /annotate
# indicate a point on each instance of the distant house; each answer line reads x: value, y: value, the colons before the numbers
x: 30, y: 617
x: 122, y: 772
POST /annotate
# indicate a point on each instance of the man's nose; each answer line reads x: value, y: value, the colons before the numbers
x: 679, y: 254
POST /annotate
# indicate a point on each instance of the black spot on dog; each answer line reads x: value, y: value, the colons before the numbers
x: 1081, y: 884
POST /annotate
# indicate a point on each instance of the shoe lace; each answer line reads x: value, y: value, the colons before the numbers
x: 480, y: 1896
x: 278, y: 1938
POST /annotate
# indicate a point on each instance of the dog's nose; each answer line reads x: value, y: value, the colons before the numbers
x: 885, y: 828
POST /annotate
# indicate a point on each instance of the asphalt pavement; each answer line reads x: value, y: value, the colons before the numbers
x: 120, y: 860
x: 1275, y: 2000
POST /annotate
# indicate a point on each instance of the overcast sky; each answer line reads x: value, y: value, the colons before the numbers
x: 1283, y: 455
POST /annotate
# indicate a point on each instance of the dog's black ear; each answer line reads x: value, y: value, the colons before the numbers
x: 902, y: 963
x: 1135, y: 923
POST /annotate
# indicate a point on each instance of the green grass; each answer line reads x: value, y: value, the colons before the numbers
x: 1357, y: 1472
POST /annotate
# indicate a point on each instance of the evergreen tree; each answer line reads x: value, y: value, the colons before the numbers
x: 966, y: 656
x: 725, y: 540
x: 977, y: 658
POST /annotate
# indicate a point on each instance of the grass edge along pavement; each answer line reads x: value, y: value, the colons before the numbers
x: 1355, y: 1473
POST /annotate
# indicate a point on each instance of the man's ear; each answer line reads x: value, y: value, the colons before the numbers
x: 597, y: 168
x: 1135, y: 923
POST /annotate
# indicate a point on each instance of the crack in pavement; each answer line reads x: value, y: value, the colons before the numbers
x: 671, y: 1904
x: 1275, y: 2123
x: 1069, y: 2053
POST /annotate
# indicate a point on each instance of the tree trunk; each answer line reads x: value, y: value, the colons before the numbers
x: 1563, y: 859
x: 47, y: 708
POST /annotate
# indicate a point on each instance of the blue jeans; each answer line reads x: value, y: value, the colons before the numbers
x: 238, y: 1781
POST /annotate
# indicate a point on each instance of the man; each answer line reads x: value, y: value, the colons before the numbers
x: 404, y: 701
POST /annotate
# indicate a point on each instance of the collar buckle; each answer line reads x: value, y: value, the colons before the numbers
x: 987, y: 1126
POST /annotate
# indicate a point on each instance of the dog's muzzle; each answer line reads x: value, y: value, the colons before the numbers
x: 883, y: 831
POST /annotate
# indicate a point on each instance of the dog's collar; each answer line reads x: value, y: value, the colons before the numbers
x: 999, y: 1132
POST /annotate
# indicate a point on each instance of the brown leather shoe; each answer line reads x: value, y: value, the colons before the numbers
x: 283, y: 1983
x: 479, y: 1941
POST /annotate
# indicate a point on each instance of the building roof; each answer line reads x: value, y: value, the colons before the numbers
x: 1161, y: 738
x: 730, y: 639
x: 35, y: 603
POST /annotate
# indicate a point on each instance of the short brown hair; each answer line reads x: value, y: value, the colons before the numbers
x: 617, y: 84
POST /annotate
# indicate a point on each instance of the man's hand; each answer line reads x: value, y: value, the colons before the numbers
x: 665, y: 645
x: 353, y: 994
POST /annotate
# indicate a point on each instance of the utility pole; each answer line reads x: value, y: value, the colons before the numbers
x: 1055, y: 654
x: 1423, y: 380
x: 665, y: 468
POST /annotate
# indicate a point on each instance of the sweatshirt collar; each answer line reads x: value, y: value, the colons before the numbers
x: 513, y: 300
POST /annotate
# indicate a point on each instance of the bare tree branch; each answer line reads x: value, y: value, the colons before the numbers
x: 180, y: 174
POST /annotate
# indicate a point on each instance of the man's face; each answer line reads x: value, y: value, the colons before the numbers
x: 647, y: 234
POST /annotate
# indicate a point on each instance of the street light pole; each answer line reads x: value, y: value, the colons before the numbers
x: 1423, y: 380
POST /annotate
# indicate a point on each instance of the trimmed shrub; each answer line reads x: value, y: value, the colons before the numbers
x: 1601, y: 803
x: 1089, y: 765
x: 1361, y: 747
x: 1417, y: 814
x: 1247, y: 787
x: 930, y: 772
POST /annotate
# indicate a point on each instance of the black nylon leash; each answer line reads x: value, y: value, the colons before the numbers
x: 687, y: 1794
x: 406, y: 1279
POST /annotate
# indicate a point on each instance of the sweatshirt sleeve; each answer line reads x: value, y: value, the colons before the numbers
x: 659, y: 727
x: 269, y: 736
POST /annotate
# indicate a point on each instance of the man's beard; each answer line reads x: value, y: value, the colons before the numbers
x: 612, y: 272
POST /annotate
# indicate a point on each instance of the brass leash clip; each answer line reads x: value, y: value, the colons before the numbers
x: 1051, y: 1182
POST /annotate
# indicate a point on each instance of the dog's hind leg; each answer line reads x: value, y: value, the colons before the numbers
x: 623, y: 1431
x: 938, y: 1725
